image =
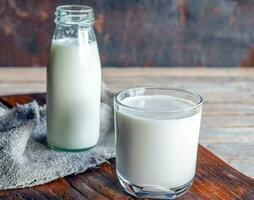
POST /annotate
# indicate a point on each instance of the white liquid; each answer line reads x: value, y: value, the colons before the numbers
x: 151, y: 148
x: 73, y: 94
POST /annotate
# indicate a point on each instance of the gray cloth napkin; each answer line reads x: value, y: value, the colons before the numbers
x: 25, y: 159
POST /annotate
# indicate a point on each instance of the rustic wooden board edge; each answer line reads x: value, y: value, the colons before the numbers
x: 215, y: 179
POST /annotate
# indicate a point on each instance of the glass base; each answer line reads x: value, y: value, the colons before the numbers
x: 68, y: 150
x: 153, y: 191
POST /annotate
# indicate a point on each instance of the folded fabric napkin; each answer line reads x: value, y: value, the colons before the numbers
x: 26, y: 160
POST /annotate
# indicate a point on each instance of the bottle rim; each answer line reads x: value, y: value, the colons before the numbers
x: 74, y: 15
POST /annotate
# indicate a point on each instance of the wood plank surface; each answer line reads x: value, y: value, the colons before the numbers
x: 228, y: 112
x: 214, y: 178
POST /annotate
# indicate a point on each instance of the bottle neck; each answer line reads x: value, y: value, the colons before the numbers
x: 74, y: 22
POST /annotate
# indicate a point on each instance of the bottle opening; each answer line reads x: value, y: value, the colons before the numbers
x: 74, y: 14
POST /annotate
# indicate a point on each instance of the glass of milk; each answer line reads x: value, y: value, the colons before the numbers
x: 157, y: 131
x: 73, y: 81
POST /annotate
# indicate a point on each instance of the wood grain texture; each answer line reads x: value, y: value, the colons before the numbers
x: 228, y: 112
x: 214, y: 178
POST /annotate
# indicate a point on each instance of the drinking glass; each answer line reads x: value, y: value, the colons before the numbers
x: 157, y: 131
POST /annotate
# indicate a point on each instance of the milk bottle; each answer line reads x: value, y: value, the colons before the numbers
x: 73, y: 81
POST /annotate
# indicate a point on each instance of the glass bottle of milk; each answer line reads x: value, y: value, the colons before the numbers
x: 73, y: 81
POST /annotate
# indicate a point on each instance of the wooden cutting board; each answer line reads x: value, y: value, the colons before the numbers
x: 214, y: 178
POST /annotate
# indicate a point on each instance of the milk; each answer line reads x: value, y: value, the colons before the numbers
x: 156, y: 149
x: 73, y: 94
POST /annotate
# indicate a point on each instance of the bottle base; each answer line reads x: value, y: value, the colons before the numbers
x: 153, y: 191
x: 56, y: 148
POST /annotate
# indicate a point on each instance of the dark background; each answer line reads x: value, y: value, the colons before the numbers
x: 137, y: 32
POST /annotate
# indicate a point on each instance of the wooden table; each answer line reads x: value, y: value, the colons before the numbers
x: 227, y: 130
